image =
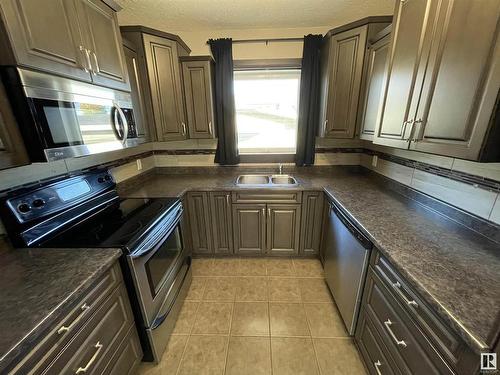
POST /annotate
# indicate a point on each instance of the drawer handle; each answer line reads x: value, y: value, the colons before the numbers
x: 377, y: 365
x: 82, y: 370
x: 64, y: 329
x: 388, y: 325
x: 397, y: 287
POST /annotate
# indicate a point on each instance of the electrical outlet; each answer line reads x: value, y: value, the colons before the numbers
x: 374, y: 161
x: 139, y: 164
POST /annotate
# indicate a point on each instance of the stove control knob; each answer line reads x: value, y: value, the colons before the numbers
x: 37, y: 203
x: 107, y: 177
x: 100, y: 180
x: 24, y: 208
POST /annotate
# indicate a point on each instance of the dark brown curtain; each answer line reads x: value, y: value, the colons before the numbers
x: 225, y: 115
x: 308, y: 100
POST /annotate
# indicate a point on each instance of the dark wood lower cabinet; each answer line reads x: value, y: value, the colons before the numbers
x: 221, y: 222
x: 198, y: 211
x: 311, y: 222
x: 283, y: 229
x: 249, y: 228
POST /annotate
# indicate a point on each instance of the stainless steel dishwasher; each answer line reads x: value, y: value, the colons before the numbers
x: 347, y: 252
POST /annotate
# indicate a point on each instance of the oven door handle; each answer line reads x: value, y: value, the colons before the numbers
x: 158, y: 240
x: 123, y: 136
x: 160, y: 319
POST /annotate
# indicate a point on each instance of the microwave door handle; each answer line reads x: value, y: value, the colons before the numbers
x: 124, y: 123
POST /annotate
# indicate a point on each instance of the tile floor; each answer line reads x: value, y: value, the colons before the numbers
x: 258, y: 316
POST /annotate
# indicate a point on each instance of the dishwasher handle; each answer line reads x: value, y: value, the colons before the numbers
x: 362, y: 239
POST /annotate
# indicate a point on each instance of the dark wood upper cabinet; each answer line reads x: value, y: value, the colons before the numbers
x: 443, y: 79
x: 343, y: 54
x: 78, y: 39
x: 197, y: 74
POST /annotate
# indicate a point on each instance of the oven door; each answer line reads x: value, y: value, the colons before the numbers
x: 154, y: 264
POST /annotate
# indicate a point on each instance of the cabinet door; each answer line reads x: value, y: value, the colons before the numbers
x: 249, y: 228
x: 311, y: 222
x: 199, y: 222
x: 103, y: 39
x: 198, y: 90
x: 131, y: 60
x: 166, y: 91
x: 283, y: 229
x: 375, y: 71
x: 46, y: 36
x: 403, y: 77
x: 461, y: 88
x: 347, y: 51
x: 222, y: 228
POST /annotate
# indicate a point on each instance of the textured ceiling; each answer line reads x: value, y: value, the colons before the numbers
x: 192, y: 15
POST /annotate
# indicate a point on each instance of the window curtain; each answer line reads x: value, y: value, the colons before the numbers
x: 225, y: 115
x: 308, y: 100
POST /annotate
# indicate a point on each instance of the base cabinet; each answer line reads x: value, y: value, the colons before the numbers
x: 311, y: 222
x: 221, y: 222
x: 199, y: 222
x: 249, y: 228
x: 283, y: 229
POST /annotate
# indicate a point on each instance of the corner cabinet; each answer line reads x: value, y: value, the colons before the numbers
x: 343, y: 54
x: 197, y: 74
x: 443, y: 80
x: 77, y: 39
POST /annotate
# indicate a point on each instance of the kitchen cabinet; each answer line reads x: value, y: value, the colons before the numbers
x: 249, y: 228
x: 343, y: 54
x: 93, y: 334
x: 197, y: 73
x: 159, y: 65
x: 221, y: 222
x: 311, y: 222
x: 199, y: 222
x: 77, y: 39
x: 375, y: 64
x: 443, y: 80
x: 283, y: 229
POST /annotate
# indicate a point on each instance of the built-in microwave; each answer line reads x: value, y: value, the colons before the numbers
x: 60, y: 118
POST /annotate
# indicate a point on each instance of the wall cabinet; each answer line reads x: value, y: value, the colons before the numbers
x: 311, y: 222
x: 221, y: 222
x: 343, y: 54
x: 197, y: 74
x: 375, y: 64
x: 443, y: 79
x: 79, y: 39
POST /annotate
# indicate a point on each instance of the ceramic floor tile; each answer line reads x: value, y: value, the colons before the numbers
x: 251, y: 289
x: 186, y: 318
x: 250, y: 319
x: 288, y: 319
x: 202, y: 266
x: 197, y: 288
x: 213, y: 318
x: 338, y: 357
x: 252, y: 267
x: 324, y: 320
x: 225, y: 267
x: 249, y: 356
x: 308, y: 268
x: 314, y: 290
x: 204, y: 355
x: 220, y: 289
x: 293, y: 356
x: 147, y: 368
x: 284, y: 289
x: 173, y: 354
x: 280, y: 267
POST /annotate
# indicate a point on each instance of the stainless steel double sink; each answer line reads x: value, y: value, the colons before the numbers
x: 266, y: 180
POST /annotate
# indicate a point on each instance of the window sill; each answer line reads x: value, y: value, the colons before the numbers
x: 267, y: 158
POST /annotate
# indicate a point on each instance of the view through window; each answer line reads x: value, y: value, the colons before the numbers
x: 267, y: 105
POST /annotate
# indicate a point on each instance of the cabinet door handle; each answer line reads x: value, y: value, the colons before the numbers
x: 405, y: 125
x: 397, y: 287
x: 183, y: 129
x: 64, y: 329
x: 210, y: 128
x: 377, y: 365
x: 86, y: 57
x: 269, y: 212
x: 398, y: 342
x: 97, y: 69
x: 227, y: 200
x: 82, y: 370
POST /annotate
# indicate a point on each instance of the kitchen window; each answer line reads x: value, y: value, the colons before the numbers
x: 267, y: 104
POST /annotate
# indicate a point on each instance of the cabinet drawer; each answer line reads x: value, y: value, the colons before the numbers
x: 412, y: 351
x: 452, y: 347
x: 93, y: 347
x: 127, y: 357
x: 60, y: 335
x: 267, y: 197
x: 372, y: 349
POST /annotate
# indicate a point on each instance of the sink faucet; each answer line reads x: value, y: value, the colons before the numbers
x: 280, y: 168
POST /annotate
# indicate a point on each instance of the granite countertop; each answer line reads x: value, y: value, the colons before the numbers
x: 38, y: 287
x: 455, y: 269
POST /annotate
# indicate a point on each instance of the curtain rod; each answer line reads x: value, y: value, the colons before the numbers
x: 268, y: 40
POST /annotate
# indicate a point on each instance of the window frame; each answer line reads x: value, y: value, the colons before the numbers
x: 267, y: 64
